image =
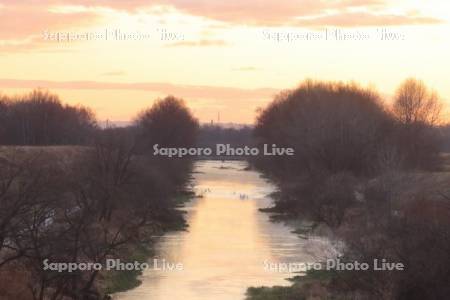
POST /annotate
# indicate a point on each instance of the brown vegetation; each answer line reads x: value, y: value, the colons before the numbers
x: 85, y: 204
x: 363, y: 168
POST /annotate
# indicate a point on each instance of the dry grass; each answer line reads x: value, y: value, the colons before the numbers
x: 64, y: 158
x: 45, y: 149
x: 446, y: 157
x: 13, y: 283
x: 61, y: 153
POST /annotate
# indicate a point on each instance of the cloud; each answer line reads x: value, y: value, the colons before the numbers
x: 256, y: 12
x: 188, y: 91
x: 20, y: 21
x: 35, y: 44
x: 200, y: 43
x: 245, y: 69
x: 114, y: 73
x: 366, y: 19
x: 116, y: 4
x: 27, y: 17
x: 287, y: 12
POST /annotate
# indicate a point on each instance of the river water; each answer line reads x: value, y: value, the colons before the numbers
x: 229, y: 244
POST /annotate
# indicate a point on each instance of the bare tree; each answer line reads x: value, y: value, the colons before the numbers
x: 417, y: 111
x: 415, y: 103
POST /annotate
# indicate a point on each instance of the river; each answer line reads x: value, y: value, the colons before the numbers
x: 229, y: 242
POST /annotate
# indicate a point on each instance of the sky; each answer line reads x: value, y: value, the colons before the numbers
x: 227, y: 57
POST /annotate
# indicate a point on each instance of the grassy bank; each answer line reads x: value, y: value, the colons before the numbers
x: 446, y: 165
x: 394, y: 215
x: 312, y: 285
x: 120, y: 281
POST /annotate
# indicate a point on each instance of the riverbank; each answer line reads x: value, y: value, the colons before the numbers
x: 112, y: 282
x: 89, y: 205
x: 312, y: 284
x: 389, y: 218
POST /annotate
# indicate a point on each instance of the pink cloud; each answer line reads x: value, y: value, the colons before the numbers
x: 24, y: 20
x: 19, y: 21
x: 256, y: 12
x: 252, y: 12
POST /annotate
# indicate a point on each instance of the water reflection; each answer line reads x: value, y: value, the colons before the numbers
x: 228, y: 240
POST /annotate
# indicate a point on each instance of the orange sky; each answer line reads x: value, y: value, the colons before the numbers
x: 220, y: 56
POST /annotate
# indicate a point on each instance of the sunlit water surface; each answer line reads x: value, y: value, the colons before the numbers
x: 228, y: 243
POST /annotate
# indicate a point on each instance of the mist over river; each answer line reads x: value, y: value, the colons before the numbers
x: 228, y: 243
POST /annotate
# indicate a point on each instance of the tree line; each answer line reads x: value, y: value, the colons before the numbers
x: 88, y: 203
x: 39, y: 118
x: 343, y: 127
x: 372, y: 172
